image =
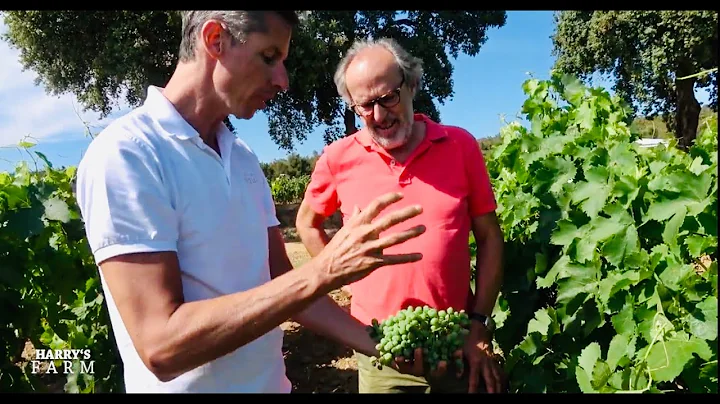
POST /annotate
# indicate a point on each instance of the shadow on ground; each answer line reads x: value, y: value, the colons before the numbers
x: 318, y: 365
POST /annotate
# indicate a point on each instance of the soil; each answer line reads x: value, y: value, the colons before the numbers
x: 314, y: 363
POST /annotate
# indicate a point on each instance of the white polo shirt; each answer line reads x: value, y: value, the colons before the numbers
x: 149, y: 183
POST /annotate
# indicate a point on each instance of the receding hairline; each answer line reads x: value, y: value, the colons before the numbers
x: 364, y: 62
x: 411, y: 67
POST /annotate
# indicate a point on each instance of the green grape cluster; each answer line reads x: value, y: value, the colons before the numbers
x: 439, y: 333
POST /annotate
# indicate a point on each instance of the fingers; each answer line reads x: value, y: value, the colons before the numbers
x: 441, y: 369
x: 396, y: 238
x: 474, y: 377
x: 378, y: 205
x: 417, y: 368
x: 400, y: 258
x: 489, y: 377
x: 458, y: 355
x: 396, y: 217
x: 497, y: 375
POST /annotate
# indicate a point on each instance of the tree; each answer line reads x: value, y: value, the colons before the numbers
x: 99, y: 55
x: 649, y: 53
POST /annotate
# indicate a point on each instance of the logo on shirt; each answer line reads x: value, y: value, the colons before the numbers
x: 250, y: 178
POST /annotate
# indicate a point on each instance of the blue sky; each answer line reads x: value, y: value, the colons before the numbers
x: 487, y: 87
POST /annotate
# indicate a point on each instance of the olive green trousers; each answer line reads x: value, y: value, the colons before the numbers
x: 389, y: 380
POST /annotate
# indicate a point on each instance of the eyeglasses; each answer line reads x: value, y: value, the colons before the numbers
x: 388, y: 100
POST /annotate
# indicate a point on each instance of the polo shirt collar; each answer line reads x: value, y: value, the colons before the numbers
x: 433, y: 132
x: 165, y: 114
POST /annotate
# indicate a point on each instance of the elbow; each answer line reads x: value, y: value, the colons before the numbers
x: 303, y: 220
x: 160, y: 362
x: 160, y: 366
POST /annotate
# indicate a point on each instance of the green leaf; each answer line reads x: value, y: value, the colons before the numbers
x: 623, y: 322
x: 573, y: 89
x: 565, y: 234
x: 617, y: 350
x: 588, y: 358
x: 702, y: 322
x: 621, y: 244
x: 544, y: 323
x: 667, y: 358
x: 615, y: 282
x: 699, y: 244
x: 601, y: 375
x: 675, y: 273
x: 585, y: 116
x: 662, y: 209
x: 672, y: 227
x: 591, y: 196
x: 56, y: 209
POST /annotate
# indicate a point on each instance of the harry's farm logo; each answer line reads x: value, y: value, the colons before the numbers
x: 65, y: 361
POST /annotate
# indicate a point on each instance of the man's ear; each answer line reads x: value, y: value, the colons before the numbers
x: 212, y: 38
x: 413, y: 90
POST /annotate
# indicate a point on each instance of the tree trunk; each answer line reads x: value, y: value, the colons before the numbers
x: 350, y: 127
x: 687, y: 114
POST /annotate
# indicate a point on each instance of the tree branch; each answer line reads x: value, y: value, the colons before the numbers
x: 406, y: 22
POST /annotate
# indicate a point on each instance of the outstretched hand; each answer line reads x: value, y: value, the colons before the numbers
x: 357, y: 249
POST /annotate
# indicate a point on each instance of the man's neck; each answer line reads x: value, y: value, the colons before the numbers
x: 192, y: 97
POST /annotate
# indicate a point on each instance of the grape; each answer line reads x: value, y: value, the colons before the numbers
x: 438, y: 332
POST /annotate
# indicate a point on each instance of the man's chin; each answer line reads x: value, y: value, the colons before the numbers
x: 394, y: 142
x: 390, y: 144
x: 245, y: 114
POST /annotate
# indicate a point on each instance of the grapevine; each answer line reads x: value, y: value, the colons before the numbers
x: 439, y: 333
x: 611, y: 249
x: 50, y: 289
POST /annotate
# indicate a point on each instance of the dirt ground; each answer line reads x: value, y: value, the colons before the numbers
x: 314, y: 363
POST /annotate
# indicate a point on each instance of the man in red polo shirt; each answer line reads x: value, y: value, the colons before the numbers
x: 438, y: 166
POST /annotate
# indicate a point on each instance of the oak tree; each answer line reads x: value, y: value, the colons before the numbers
x: 108, y: 56
x: 650, y: 54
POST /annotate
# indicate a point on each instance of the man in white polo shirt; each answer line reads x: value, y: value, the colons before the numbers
x: 181, y: 222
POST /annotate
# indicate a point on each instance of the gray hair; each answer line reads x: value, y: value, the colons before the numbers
x: 240, y: 24
x: 410, y: 66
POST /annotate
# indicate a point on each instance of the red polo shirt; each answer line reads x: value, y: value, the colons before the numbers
x: 446, y: 174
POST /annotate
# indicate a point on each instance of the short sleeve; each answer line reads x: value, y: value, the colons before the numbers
x: 481, y: 199
x: 321, y: 193
x: 125, y: 205
x: 269, y: 203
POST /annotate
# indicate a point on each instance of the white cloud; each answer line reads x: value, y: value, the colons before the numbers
x: 27, y: 110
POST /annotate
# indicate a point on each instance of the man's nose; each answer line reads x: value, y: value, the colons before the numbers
x: 280, y: 77
x: 379, y: 112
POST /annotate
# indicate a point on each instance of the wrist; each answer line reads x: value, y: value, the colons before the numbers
x: 481, y: 325
x: 315, y: 271
x: 480, y: 330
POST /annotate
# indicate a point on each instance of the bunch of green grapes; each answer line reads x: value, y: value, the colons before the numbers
x: 439, y: 333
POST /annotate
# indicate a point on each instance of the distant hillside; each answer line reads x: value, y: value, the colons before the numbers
x: 655, y: 128
x: 647, y: 128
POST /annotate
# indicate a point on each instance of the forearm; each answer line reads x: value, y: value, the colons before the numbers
x: 489, y: 274
x: 313, y: 237
x: 327, y: 318
x: 201, y: 331
x: 324, y: 316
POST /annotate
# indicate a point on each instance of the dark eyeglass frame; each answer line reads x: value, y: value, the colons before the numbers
x: 384, y: 101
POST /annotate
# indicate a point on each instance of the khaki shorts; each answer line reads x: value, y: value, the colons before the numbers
x: 389, y: 380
